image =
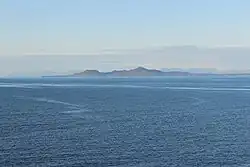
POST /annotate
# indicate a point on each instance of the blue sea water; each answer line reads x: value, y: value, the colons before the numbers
x: 142, y: 122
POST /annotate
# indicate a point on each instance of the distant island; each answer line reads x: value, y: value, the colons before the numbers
x: 137, y: 72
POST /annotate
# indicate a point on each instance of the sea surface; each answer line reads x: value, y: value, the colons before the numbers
x: 123, y: 122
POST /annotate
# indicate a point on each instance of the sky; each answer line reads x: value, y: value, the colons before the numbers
x: 112, y: 34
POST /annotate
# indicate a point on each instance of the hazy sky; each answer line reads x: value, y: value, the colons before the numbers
x: 86, y: 27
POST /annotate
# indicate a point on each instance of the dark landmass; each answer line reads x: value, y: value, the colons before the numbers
x: 88, y: 73
x: 137, y: 72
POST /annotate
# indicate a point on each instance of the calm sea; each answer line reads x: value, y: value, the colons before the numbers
x: 142, y: 122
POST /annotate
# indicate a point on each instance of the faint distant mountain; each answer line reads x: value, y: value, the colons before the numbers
x: 140, y: 71
x: 236, y: 72
x: 193, y: 70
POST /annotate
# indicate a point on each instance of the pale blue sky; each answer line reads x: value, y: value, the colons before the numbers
x: 30, y: 27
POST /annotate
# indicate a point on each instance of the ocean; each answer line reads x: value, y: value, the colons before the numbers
x: 123, y: 122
